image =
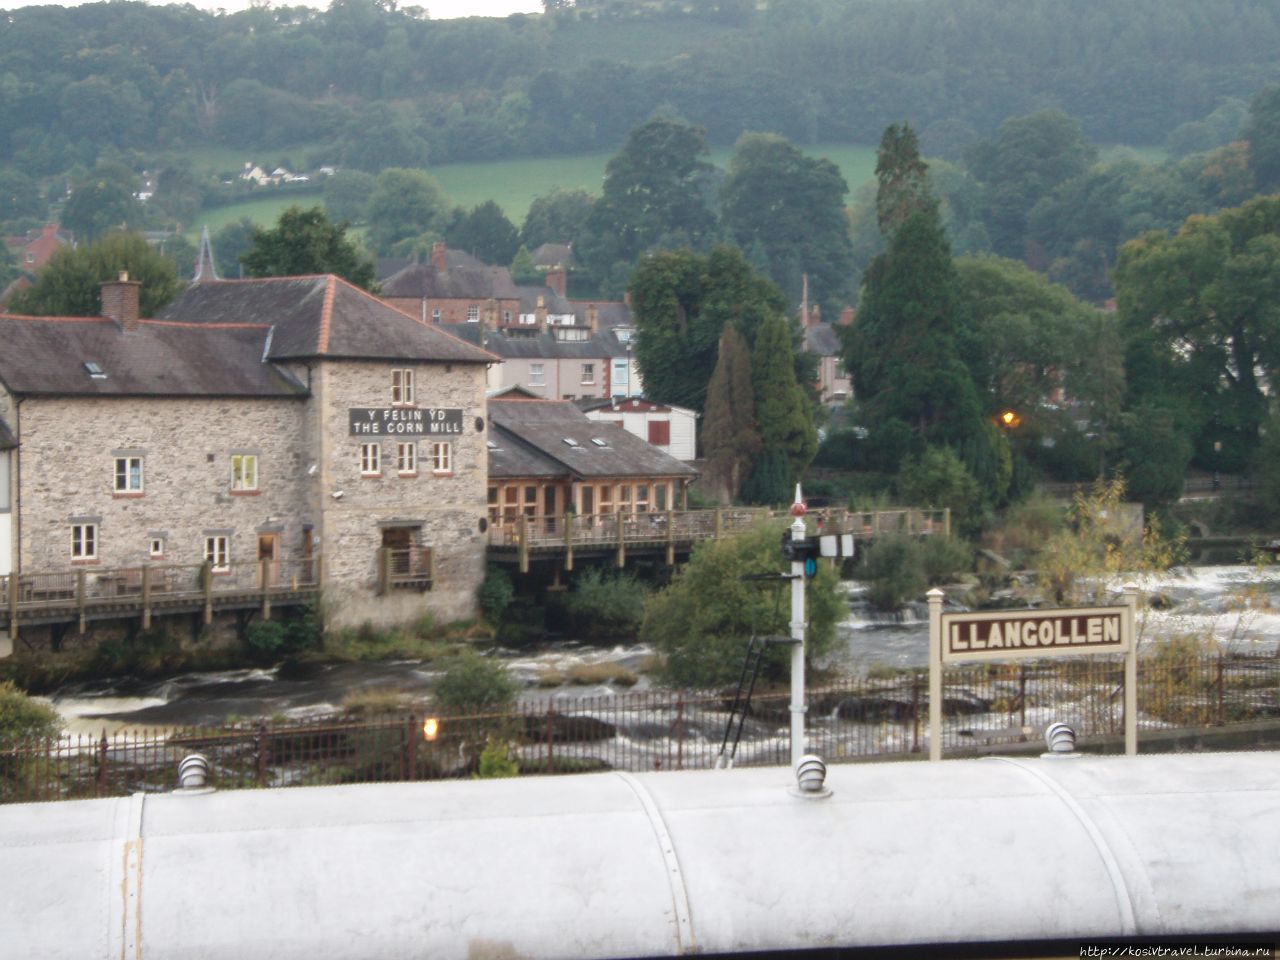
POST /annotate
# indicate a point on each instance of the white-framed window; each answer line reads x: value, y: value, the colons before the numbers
x: 128, y: 475
x: 473, y: 314
x: 401, y: 387
x: 371, y: 459
x: 84, y: 541
x: 441, y: 456
x: 588, y: 373
x: 435, y: 315
x: 217, y: 552
x: 155, y: 548
x: 244, y: 471
x: 407, y: 459
x: 537, y: 375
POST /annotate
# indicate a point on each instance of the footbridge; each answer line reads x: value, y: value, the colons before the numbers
x: 672, y: 534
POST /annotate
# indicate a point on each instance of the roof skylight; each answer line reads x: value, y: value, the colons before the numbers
x: 95, y: 371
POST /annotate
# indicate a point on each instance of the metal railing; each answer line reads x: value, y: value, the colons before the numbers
x: 986, y: 707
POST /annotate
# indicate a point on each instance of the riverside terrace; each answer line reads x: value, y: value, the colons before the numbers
x: 73, y: 598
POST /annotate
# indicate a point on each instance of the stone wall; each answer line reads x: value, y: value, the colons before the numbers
x: 444, y: 509
x: 68, y: 448
x: 309, y: 482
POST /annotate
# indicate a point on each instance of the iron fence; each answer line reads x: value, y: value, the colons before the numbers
x: 986, y: 705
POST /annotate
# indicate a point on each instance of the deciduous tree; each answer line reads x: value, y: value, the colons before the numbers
x: 305, y: 242
x: 791, y: 208
x: 407, y: 207
x: 69, y: 284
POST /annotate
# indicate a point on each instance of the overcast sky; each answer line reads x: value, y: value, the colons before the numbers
x: 439, y: 9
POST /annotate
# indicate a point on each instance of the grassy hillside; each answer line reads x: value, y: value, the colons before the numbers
x: 514, y: 184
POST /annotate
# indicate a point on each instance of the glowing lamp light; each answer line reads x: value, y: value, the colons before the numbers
x: 1009, y: 419
x: 430, y: 728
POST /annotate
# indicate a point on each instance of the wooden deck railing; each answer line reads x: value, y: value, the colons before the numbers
x: 87, y: 593
x: 672, y: 530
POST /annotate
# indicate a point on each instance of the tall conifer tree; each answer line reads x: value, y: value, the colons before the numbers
x: 786, y: 420
x: 730, y: 434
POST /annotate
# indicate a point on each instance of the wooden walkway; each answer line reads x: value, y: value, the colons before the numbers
x: 671, y: 534
x: 86, y: 594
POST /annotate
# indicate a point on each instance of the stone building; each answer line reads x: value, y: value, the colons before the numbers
x: 256, y: 423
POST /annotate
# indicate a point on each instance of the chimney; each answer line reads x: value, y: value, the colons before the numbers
x: 491, y: 314
x: 438, y: 258
x: 846, y: 317
x: 120, y: 301
x: 557, y: 280
x: 626, y: 298
x: 540, y: 312
x: 593, y: 317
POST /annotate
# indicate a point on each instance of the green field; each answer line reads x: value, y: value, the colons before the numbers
x: 514, y: 184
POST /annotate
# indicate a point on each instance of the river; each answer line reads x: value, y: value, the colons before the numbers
x: 1237, y: 606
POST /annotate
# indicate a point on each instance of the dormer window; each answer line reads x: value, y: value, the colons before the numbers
x: 95, y: 371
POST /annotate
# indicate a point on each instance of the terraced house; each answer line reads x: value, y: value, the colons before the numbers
x: 257, y: 431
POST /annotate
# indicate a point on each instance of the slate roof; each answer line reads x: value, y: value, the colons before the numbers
x: 544, y: 346
x: 624, y: 405
x: 321, y: 316
x: 532, y: 433
x: 47, y: 356
x: 551, y: 255
x: 550, y: 299
x: 462, y: 282
x: 609, y: 313
x: 822, y: 339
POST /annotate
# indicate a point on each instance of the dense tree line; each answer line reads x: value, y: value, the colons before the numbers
x: 382, y: 85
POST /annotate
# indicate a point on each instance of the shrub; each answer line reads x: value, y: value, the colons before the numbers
x: 472, y: 684
x: 894, y: 567
x: 944, y: 557
x: 22, y: 718
x: 265, y: 639
x: 600, y: 605
x: 496, y: 761
x: 702, y: 622
x: 495, y: 594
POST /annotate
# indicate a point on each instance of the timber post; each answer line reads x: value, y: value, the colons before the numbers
x: 522, y: 539
x: 146, y: 596
x: 568, y: 541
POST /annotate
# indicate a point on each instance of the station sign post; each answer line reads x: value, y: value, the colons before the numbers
x: 1014, y: 634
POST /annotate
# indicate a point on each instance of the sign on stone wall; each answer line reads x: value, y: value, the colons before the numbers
x: 405, y: 421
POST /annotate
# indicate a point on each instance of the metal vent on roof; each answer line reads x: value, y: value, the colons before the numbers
x: 95, y: 371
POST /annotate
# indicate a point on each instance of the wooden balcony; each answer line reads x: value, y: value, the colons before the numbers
x: 674, y: 532
x: 83, y: 594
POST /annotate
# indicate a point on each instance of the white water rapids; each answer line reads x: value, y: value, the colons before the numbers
x: 1237, y: 607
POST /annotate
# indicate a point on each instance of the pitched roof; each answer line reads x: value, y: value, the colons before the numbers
x: 822, y: 339
x: 544, y: 346
x: 462, y: 282
x: 550, y: 255
x: 321, y: 316
x: 544, y: 426
x: 48, y: 356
